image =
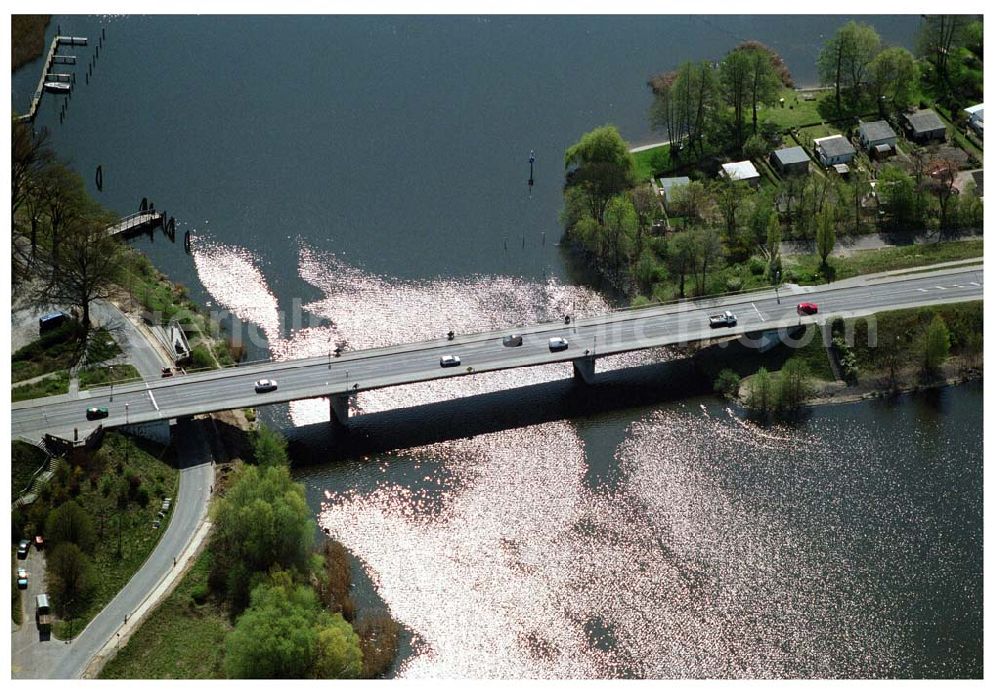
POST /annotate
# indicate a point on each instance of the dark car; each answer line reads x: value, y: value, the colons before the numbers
x: 806, y: 308
x: 726, y: 318
x: 97, y: 413
x: 166, y: 371
x: 22, y: 549
x: 513, y: 340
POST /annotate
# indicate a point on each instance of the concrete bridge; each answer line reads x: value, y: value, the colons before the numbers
x: 337, y: 378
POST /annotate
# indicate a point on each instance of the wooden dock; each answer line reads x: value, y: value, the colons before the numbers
x: 137, y: 222
x: 50, y: 59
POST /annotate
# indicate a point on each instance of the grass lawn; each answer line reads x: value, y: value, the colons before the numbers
x: 120, y: 457
x: 52, y: 385
x: 24, y: 461
x: 54, y: 350
x: 92, y: 376
x: 795, y: 113
x: 644, y: 162
x: 804, y: 269
x: 181, y: 639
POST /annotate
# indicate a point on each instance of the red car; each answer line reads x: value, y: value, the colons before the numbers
x: 807, y: 308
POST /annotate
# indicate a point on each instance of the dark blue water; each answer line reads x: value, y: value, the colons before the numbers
x: 372, y: 169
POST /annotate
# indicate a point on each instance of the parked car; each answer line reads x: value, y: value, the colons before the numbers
x: 22, y: 549
x: 40, y: 542
x: 52, y: 321
x: 726, y: 318
x: 22, y: 578
x: 513, y: 340
x: 265, y: 385
x: 806, y: 308
x: 97, y: 413
x: 557, y: 344
x: 450, y: 360
x: 166, y: 371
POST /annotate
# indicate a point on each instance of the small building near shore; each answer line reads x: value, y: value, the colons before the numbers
x: 668, y: 184
x: 875, y: 134
x: 791, y: 160
x: 834, y: 149
x: 924, y: 126
x: 740, y: 171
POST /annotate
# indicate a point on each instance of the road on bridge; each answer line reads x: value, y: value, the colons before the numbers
x: 621, y: 331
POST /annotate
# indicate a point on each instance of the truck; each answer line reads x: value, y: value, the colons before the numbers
x: 726, y: 318
x: 43, y: 615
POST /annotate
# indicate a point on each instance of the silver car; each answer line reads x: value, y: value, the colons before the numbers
x: 265, y: 385
x: 450, y: 360
x: 557, y: 344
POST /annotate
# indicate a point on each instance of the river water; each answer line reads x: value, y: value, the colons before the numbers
x: 364, y: 180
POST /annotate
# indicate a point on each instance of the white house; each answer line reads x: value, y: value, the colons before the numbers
x: 740, y: 171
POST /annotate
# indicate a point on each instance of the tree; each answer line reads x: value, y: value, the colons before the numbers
x: 82, y: 266
x: 683, y: 100
x: 736, y: 78
x: 707, y: 247
x: 338, y: 650
x: 772, y: 247
x: 70, y: 523
x: 898, y: 196
x: 936, y: 344
x: 969, y: 209
x: 620, y: 227
x: 646, y: 203
x: 692, y: 201
x: 765, y: 83
x: 69, y: 576
x: 844, y: 59
x: 601, y: 166
x: 29, y: 154
x: 262, y: 522
x: 941, y: 182
x: 826, y: 237
x: 269, y: 447
x: 682, y: 252
x: 939, y: 35
x: 729, y: 196
x: 727, y: 383
x: 793, y: 384
x: 760, y: 392
x: 892, y: 78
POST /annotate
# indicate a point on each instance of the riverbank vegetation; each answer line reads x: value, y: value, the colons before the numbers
x: 850, y: 359
x: 27, y: 38
x: 261, y: 601
x: 706, y: 233
x: 100, y: 515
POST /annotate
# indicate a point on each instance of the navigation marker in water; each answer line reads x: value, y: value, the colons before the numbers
x: 531, y: 171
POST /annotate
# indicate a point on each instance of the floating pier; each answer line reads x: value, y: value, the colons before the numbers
x: 137, y: 222
x: 44, y: 83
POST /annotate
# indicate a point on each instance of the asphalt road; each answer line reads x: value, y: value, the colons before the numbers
x: 180, y: 396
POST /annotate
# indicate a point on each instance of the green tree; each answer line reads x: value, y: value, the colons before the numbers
x: 892, y: 79
x: 844, y: 59
x: 772, y: 247
x: 692, y: 201
x: 70, y: 577
x: 729, y: 196
x: 262, y: 522
x: 601, y: 166
x: 681, y: 255
x: 760, y: 392
x: 727, y: 383
x: 70, y: 523
x: 969, y: 210
x: 765, y: 82
x: 898, y: 198
x: 338, y: 650
x: 736, y: 72
x: 826, y: 237
x: 936, y: 344
x: 793, y: 384
x: 269, y: 448
x: 683, y: 101
x: 707, y: 248
x: 939, y: 35
x: 620, y: 228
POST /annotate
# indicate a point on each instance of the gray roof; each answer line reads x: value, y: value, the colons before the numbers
x: 739, y: 171
x: 791, y: 155
x: 925, y: 121
x: 835, y: 145
x: 876, y: 130
x: 667, y: 184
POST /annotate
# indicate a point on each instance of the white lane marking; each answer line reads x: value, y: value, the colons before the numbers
x: 921, y: 289
x: 974, y: 284
x: 153, y: 400
x: 938, y: 287
x: 762, y: 319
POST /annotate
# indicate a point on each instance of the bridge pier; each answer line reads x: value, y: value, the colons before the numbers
x: 338, y: 409
x: 583, y: 369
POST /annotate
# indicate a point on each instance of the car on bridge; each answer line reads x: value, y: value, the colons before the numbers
x: 806, y: 308
x: 265, y: 385
x: 513, y: 340
x: 726, y: 318
x: 98, y: 413
x: 451, y: 361
x: 557, y: 344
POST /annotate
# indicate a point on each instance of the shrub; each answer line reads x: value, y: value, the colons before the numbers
x: 142, y: 496
x: 757, y: 265
x: 201, y: 358
x: 70, y: 523
x: 734, y: 284
x: 727, y: 383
